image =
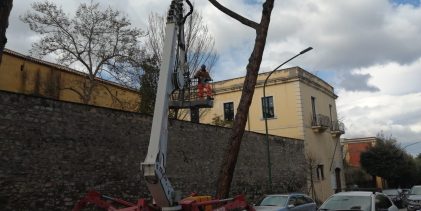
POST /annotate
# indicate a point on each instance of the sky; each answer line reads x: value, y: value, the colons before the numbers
x: 369, y: 51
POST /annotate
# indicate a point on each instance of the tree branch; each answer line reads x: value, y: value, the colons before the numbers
x: 234, y: 15
x: 113, y: 97
x: 75, y: 91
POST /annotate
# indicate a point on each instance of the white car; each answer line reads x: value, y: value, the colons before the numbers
x: 358, y: 200
x: 414, y: 198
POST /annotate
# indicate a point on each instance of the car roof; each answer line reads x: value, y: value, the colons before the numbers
x: 287, y: 194
x: 355, y: 193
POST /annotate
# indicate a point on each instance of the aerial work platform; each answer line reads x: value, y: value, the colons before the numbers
x: 189, y: 98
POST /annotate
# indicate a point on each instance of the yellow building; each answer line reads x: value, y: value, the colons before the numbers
x: 27, y: 75
x: 301, y: 106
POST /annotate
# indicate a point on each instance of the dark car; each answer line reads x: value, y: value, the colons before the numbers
x: 414, y: 199
x: 405, y: 191
x: 405, y: 194
x: 286, y: 202
x: 395, y: 195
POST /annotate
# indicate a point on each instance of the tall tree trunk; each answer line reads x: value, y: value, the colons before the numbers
x: 5, y: 8
x: 230, y: 157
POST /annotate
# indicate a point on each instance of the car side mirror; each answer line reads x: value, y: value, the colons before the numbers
x: 291, y: 206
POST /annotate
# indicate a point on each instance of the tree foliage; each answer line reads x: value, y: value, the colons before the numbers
x: 5, y: 8
x: 387, y: 160
x: 219, y: 121
x: 418, y: 164
x: 99, y: 41
x: 356, y: 177
x: 148, y: 82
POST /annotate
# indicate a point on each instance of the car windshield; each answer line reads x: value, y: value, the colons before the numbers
x: 274, y: 201
x: 415, y: 191
x: 391, y: 192
x: 339, y: 202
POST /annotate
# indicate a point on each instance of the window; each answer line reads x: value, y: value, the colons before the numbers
x: 308, y: 200
x: 313, y: 108
x: 300, y: 201
x: 340, y: 202
x: 320, y: 173
x: 229, y: 111
x: 382, y: 202
x: 273, y: 201
x: 292, y: 200
x: 267, y: 107
x: 330, y: 112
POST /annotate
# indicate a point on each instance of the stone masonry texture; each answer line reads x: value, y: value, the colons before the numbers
x: 53, y: 152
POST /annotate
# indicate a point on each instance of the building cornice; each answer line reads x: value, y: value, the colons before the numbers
x: 359, y: 140
x: 299, y: 75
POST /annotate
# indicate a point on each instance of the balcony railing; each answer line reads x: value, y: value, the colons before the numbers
x: 190, y: 97
x: 320, y: 122
x: 337, y: 128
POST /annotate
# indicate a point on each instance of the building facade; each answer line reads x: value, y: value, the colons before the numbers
x: 299, y: 105
x: 352, y: 149
x: 27, y: 75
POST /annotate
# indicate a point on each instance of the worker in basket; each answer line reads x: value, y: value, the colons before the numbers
x: 203, y: 82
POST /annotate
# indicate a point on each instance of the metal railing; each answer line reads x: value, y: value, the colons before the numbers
x: 320, y: 120
x: 190, y: 96
x: 337, y: 126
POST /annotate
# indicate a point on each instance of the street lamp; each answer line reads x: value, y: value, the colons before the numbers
x: 411, y: 144
x: 266, y: 111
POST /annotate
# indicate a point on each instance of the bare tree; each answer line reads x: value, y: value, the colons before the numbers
x: 255, y: 59
x: 310, y: 169
x: 5, y: 8
x: 200, y: 44
x: 102, y: 42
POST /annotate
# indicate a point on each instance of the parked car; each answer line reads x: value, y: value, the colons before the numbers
x: 405, y: 194
x: 413, y: 200
x: 286, y: 202
x: 395, y: 195
x: 358, y: 200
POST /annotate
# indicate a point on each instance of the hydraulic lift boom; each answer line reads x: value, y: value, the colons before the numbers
x: 154, y: 165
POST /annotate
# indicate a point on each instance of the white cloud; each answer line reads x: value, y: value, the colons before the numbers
x: 369, y: 43
x: 394, y: 78
x: 367, y: 113
x: 394, y: 109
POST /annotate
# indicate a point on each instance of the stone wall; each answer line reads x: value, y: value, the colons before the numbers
x: 53, y: 152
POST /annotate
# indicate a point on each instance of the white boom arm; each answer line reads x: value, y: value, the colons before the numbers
x: 154, y: 165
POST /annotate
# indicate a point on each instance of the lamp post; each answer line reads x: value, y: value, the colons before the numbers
x: 266, y: 111
x: 411, y: 144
